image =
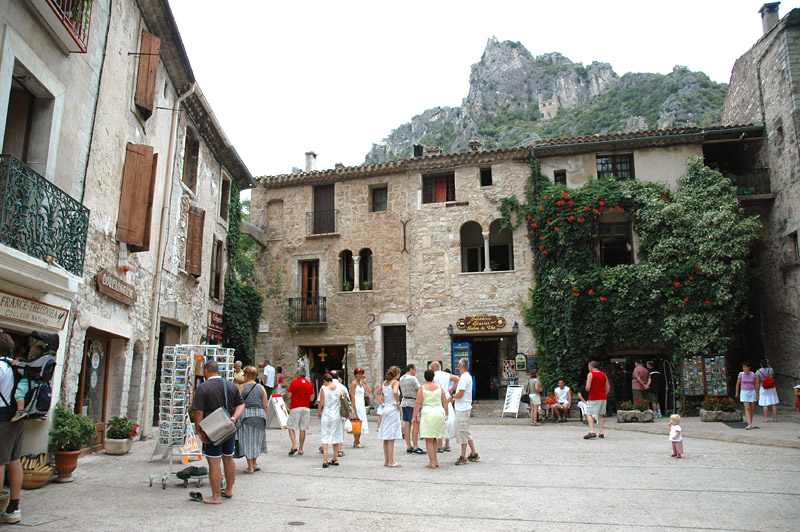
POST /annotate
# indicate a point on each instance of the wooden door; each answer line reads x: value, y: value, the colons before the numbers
x: 324, y: 219
x: 93, y: 386
x: 309, y: 291
x: 394, y: 347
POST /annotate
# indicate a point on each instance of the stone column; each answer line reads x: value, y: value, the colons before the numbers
x: 486, y: 267
x: 356, y: 273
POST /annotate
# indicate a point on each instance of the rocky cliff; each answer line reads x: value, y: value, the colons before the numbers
x: 515, y: 98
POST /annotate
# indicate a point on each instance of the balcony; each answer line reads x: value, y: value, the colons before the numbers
x: 40, y: 219
x: 69, y: 20
x: 322, y: 223
x: 752, y: 182
x: 309, y: 311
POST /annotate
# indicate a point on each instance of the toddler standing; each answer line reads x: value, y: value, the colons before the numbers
x: 675, y: 435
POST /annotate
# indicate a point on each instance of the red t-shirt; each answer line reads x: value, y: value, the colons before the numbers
x: 598, y: 391
x: 301, y: 389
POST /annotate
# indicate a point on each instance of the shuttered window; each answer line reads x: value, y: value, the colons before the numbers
x: 136, y: 198
x: 194, y: 241
x: 216, y: 270
x: 146, y: 77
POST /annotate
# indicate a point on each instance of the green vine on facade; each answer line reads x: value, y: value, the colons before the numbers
x: 687, y: 294
x: 243, y: 304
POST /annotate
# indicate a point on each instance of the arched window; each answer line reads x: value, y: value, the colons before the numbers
x: 365, y: 269
x: 346, y: 270
x: 501, y: 248
x: 472, y: 259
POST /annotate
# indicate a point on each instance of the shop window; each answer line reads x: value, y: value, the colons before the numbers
x: 472, y: 249
x: 194, y: 241
x: 224, y: 197
x: 486, y: 177
x: 347, y: 275
x: 560, y: 177
x: 617, y: 165
x: 365, y: 269
x: 191, y: 160
x: 501, y: 248
x: 216, y: 270
x: 380, y: 197
x: 439, y: 188
x: 146, y: 75
x: 615, y: 244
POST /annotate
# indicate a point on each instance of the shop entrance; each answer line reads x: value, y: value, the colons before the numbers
x: 93, y: 384
x: 168, y: 335
x: 488, y: 353
x: 324, y: 359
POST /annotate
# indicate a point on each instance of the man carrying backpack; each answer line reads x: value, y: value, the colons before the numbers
x: 10, y: 433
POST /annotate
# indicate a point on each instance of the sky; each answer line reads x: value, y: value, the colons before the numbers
x: 285, y: 78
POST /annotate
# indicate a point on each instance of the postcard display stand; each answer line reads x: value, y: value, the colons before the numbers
x: 174, y: 423
x: 704, y: 375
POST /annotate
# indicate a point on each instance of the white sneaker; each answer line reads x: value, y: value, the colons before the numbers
x: 13, y: 517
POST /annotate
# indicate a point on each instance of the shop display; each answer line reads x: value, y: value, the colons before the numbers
x: 693, y: 376
x: 705, y: 375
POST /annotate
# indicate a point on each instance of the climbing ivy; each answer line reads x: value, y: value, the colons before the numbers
x: 687, y: 294
x: 243, y: 304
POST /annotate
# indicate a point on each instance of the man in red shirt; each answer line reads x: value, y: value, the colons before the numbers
x: 299, y: 395
x: 597, y: 385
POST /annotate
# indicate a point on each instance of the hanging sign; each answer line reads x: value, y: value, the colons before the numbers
x: 481, y: 323
x: 214, y: 321
x: 32, y: 312
x: 115, y: 288
x: 513, y: 396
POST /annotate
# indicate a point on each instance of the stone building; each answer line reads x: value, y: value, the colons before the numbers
x: 406, y: 262
x: 764, y: 89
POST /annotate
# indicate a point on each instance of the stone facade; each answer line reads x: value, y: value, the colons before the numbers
x: 764, y: 89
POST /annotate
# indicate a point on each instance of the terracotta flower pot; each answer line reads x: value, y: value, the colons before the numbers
x: 118, y: 447
x: 66, y: 462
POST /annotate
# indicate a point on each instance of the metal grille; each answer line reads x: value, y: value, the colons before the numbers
x: 309, y: 310
x: 750, y: 182
x: 40, y: 219
x: 619, y: 166
x: 76, y: 16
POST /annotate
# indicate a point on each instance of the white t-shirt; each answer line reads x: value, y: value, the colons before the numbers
x: 442, y: 378
x: 673, y: 431
x: 6, y: 384
x: 561, y: 395
x: 465, y: 401
x: 269, y: 376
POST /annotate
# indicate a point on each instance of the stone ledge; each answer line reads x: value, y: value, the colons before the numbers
x: 717, y: 415
x: 635, y: 416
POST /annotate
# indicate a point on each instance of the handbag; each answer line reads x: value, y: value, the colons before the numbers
x: 355, y: 426
x: 525, y: 398
x: 218, y: 426
x: 345, y: 406
x: 767, y: 382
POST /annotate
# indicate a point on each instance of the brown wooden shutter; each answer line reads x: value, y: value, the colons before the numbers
x: 136, y: 198
x: 146, y: 78
x: 194, y: 241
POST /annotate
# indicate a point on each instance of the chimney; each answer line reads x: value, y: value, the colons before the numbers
x: 475, y: 145
x: 418, y: 150
x: 769, y: 16
x: 311, y: 161
x: 339, y: 166
x: 434, y: 150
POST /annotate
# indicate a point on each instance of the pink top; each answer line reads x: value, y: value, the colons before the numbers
x: 748, y: 380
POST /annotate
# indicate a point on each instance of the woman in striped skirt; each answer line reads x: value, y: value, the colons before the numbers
x: 252, y: 425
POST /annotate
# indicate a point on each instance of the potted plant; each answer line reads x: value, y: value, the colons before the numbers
x: 638, y: 411
x: 367, y: 285
x: 719, y: 408
x: 347, y: 286
x: 119, y: 435
x: 70, y: 433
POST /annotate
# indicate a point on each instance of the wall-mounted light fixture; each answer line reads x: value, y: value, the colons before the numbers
x: 450, y: 329
x: 515, y: 328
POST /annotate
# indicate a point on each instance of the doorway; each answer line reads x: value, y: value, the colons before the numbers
x: 485, y: 364
x: 93, y: 385
x: 394, y: 347
x: 168, y: 335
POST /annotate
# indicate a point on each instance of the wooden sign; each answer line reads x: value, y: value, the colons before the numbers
x: 115, y: 288
x: 481, y: 323
x: 32, y: 312
x: 214, y: 321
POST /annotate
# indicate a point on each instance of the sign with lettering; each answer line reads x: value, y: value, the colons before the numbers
x: 115, y: 288
x: 481, y: 323
x: 214, y: 321
x: 32, y: 312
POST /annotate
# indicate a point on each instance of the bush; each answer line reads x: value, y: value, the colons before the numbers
x: 120, y: 428
x: 70, y: 432
x: 641, y: 405
x: 721, y: 404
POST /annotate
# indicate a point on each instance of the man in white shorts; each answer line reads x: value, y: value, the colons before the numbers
x: 299, y: 396
x: 462, y: 402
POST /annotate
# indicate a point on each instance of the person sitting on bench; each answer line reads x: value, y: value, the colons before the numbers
x: 563, y: 401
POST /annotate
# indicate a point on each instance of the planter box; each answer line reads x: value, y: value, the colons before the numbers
x: 634, y: 416
x: 118, y: 447
x: 716, y: 415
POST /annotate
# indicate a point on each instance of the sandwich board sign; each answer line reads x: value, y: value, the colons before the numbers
x: 513, y: 396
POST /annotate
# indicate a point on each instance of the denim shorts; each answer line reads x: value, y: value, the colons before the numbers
x: 408, y: 413
x: 225, y: 448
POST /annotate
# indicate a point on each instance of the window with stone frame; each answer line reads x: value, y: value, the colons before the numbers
x: 501, y: 248
x: 615, y: 165
x: 380, y: 196
x: 191, y: 159
x: 215, y: 290
x: 486, y: 176
x: 439, y: 188
x: 560, y: 177
x: 346, y: 271
x: 365, y: 269
x: 615, y: 243
x: 224, y: 196
x: 472, y: 248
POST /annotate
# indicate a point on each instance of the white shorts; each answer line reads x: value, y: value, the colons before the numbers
x: 298, y: 418
x: 747, y: 396
x: 596, y: 408
x: 462, y: 426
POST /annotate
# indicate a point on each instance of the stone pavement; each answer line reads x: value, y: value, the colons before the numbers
x: 528, y: 478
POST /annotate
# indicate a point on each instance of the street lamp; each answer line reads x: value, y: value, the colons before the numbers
x: 515, y: 328
x: 450, y: 329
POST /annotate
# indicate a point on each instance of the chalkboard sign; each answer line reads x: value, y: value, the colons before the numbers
x: 532, y: 363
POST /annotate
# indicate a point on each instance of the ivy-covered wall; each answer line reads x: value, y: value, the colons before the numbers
x: 685, y: 296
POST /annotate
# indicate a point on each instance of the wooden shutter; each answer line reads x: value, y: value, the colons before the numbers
x: 146, y: 77
x: 136, y: 198
x: 194, y: 241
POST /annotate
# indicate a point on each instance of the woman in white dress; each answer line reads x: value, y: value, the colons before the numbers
x: 330, y: 420
x: 390, y: 430
x: 767, y: 396
x: 358, y: 390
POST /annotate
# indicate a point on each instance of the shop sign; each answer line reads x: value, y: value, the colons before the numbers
x: 214, y: 321
x: 115, y: 288
x: 481, y: 323
x: 32, y: 312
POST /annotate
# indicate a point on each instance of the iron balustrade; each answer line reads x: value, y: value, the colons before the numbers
x: 309, y: 310
x: 750, y: 182
x: 40, y: 219
x: 322, y: 222
x: 76, y: 16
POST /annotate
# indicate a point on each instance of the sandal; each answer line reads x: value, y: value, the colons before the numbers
x: 358, y: 445
x: 335, y: 462
x: 393, y: 465
x: 431, y: 466
x: 325, y: 464
x: 340, y: 454
x: 292, y: 452
x: 590, y: 435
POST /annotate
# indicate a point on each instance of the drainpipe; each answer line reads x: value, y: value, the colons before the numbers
x: 162, y: 244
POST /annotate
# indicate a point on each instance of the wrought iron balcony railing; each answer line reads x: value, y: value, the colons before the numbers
x: 69, y: 19
x: 750, y: 182
x: 309, y: 310
x: 40, y: 219
x: 322, y: 222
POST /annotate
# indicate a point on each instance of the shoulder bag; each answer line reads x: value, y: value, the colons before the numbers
x: 218, y: 426
x: 345, y: 406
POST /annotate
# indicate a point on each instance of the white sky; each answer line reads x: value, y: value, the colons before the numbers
x: 333, y: 77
